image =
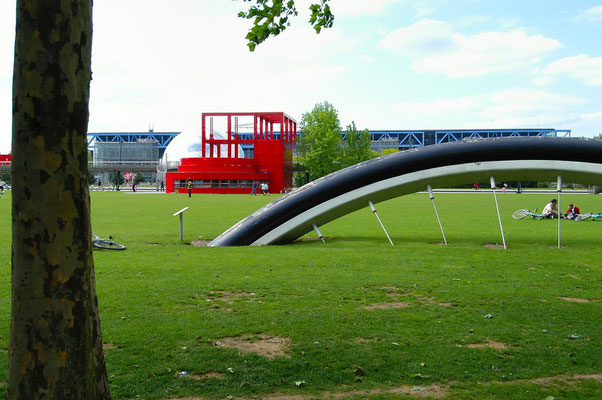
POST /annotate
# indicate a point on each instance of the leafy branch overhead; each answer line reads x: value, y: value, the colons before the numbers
x: 273, y: 19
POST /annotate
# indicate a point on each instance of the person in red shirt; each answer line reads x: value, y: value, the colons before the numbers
x: 572, y: 212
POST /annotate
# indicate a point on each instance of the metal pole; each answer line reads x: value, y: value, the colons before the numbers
x: 181, y: 226
x: 319, y: 233
x: 558, y: 191
x: 497, y: 207
x: 381, y: 223
x: 430, y: 190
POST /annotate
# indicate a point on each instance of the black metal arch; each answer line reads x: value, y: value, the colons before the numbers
x: 518, y: 158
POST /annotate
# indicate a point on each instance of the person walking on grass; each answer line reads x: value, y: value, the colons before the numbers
x: 189, y: 186
x: 254, y: 188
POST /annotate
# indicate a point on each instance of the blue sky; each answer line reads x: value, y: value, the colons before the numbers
x: 386, y: 64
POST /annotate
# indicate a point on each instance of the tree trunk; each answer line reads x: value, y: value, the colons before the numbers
x: 55, y: 347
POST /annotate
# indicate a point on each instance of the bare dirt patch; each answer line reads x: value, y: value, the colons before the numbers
x: 578, y: 300
x: 109, y: 346
x: 387, y: 306
x: 432, y: 391
x: 366, y: 340
x: 229, y: 297
x: 388, y: 288
x: 200, y: 243
x: 155, y: 244
x: 566, y: 379
x: 396, y: 294
x: 548, y: 381
x: 432, y: 300
x: 493, y: 246
x: 223, y: 309
x: 207, y: 375
x: 573, y: 276
x: 490, y: 344
x: 263, y: 345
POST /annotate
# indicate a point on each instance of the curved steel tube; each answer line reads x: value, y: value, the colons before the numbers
x: 519, y: 158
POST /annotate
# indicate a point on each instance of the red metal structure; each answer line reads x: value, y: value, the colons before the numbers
x: 268, y: 143
x: 5, y: 159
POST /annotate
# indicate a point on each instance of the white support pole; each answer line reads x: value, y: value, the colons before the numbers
x: 497, y: 207
x: 430, y: 190
x: 559, y: 191
x: 182, y: 226
x: 381, y: 223
x: 181, y: 214
x: 319, y: 233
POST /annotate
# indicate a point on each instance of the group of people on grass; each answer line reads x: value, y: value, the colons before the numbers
x: 551, y: 210
x: 265, y: 188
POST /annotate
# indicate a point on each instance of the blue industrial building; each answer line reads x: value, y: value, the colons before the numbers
x: 381, y: 139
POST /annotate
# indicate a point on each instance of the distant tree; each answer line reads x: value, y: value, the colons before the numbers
x: 5, y: 176
x: 389, y: 151
x: 118, y: 180
x: 599, y: 136
x: 356, y: 146
x: 139, y: 177
x: 320, y: 145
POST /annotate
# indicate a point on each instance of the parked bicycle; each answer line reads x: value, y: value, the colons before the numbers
x: 107, y: 244
x: 593, y: 216
x: 524, y: 213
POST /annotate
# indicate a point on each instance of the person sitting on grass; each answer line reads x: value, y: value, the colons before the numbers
x: 551, y: 209
x: 572, y: 212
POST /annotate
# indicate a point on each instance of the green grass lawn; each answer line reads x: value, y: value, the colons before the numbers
x: 355, y: 317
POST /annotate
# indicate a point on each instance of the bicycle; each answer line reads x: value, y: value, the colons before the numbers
x: 593, y: 216
x: 107, y: 244
x: 524, y: 213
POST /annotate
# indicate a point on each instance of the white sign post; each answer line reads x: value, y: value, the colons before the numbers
x: 181, y: 214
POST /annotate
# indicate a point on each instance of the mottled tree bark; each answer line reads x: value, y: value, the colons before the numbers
x: 55, y: 347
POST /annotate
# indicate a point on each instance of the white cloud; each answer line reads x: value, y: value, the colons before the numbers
x: 7, y: 47
x: 512, y: 108
x: 360, y: 7
x: 472, y: 20
x: 421, y: 39
x: 198, y: 61
x: 582, y: 67
x: 423, y: 8
x: 434, y: 47
x: 593, y: 14
x: 542, y: 81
